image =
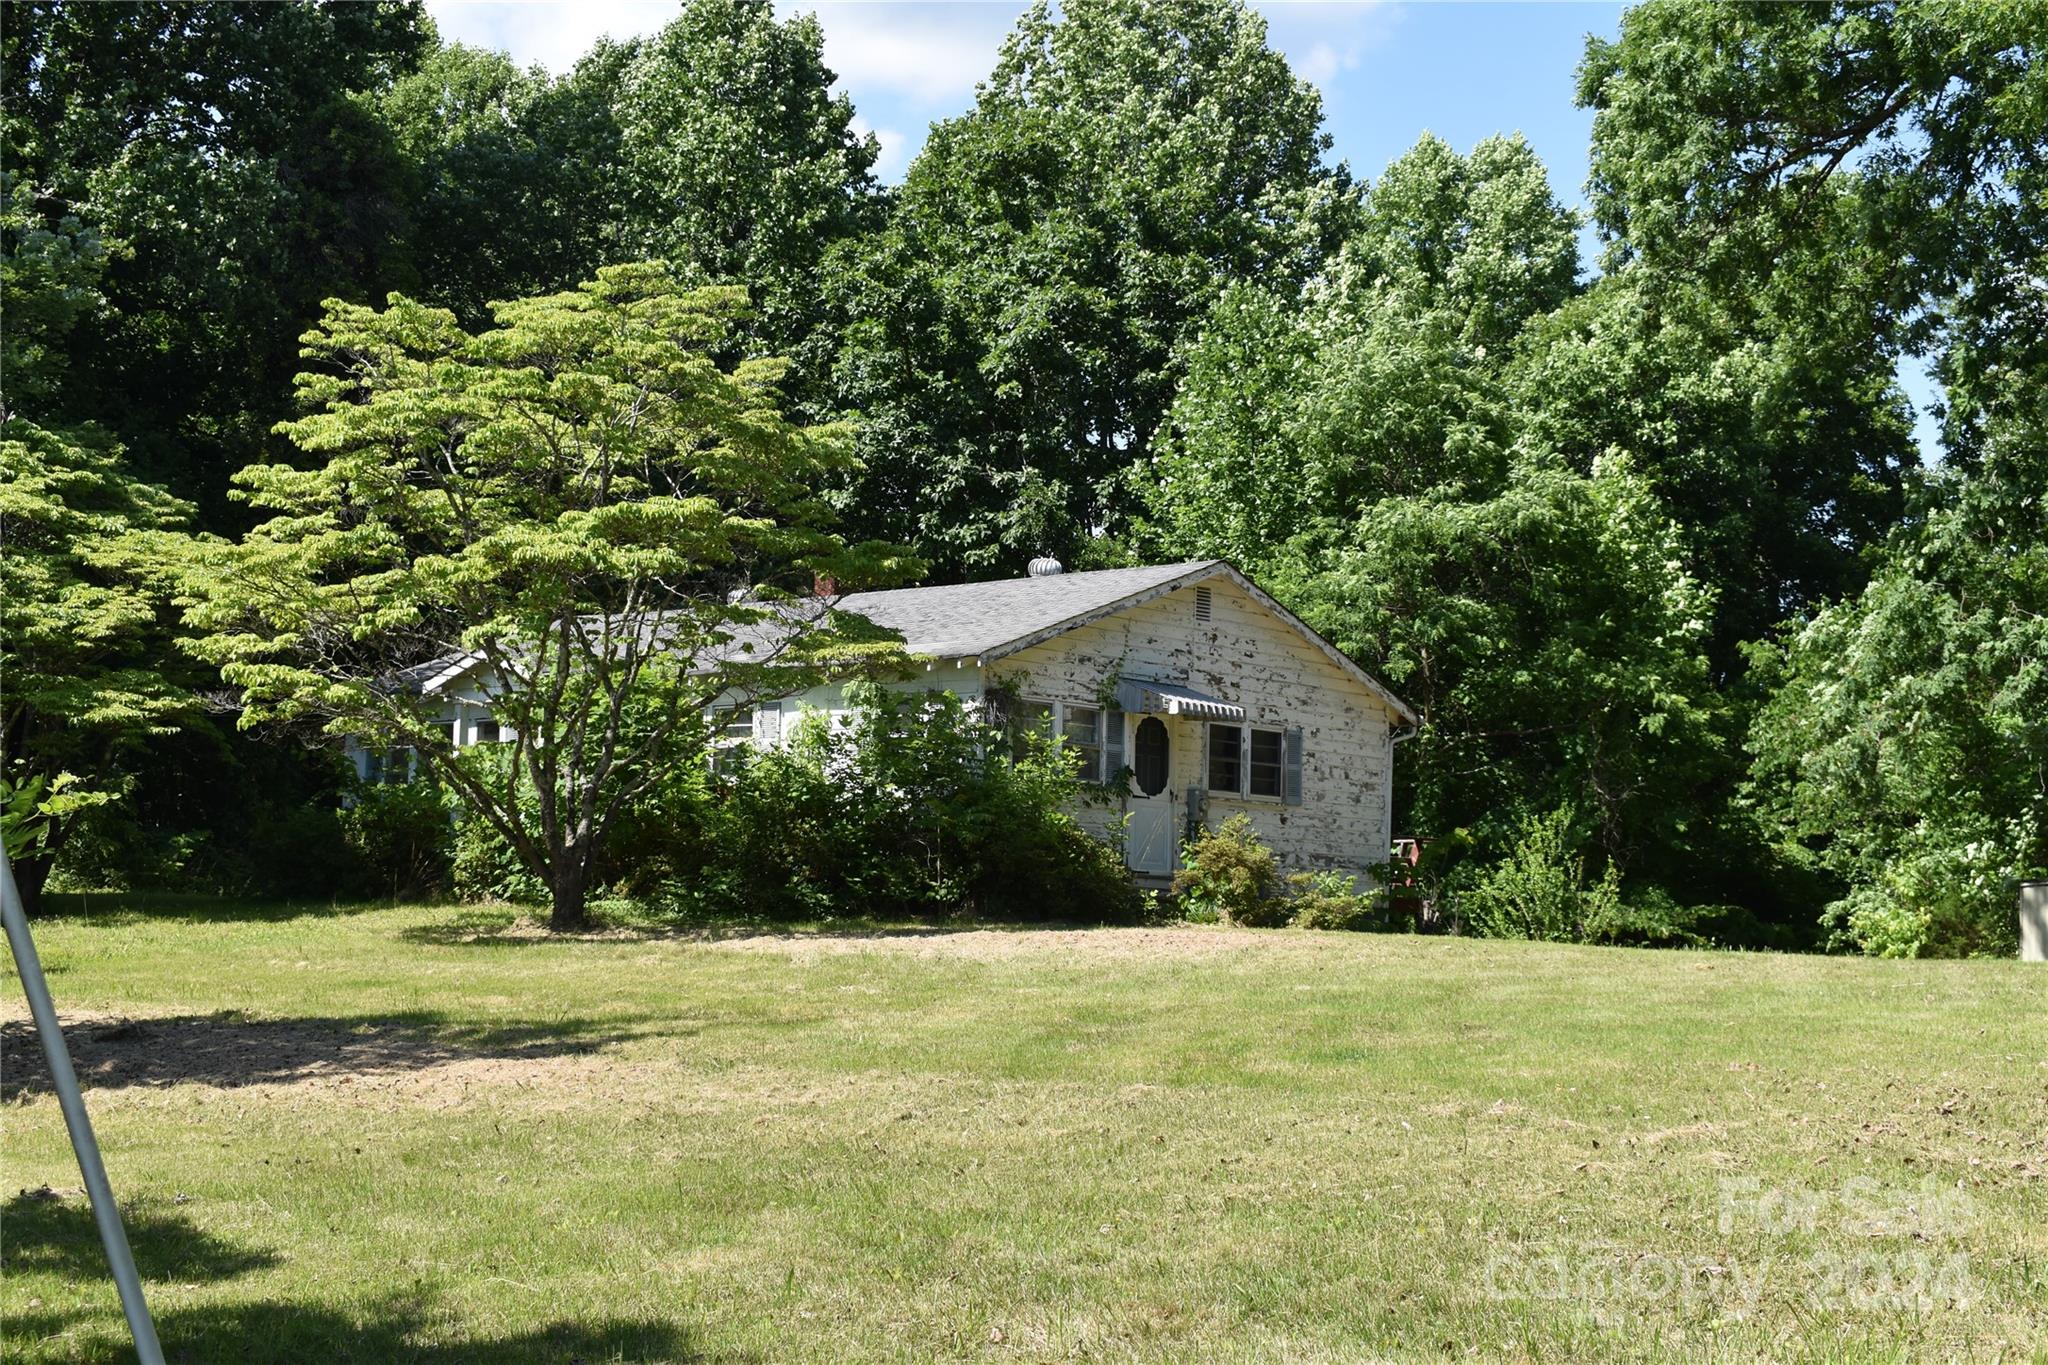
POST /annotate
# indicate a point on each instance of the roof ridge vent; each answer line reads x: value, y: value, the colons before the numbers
x: 1045, y: 566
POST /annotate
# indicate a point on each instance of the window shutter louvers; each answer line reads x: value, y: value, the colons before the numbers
x: 1112, y: 744
x: 1294, y: 765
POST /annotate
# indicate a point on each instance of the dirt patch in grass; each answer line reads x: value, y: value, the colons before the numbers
x: 1000, y: 942
x: 1165, y: 943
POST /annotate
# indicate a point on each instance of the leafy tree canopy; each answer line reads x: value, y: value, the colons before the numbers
x: 1781, y: 443
x: 221, y: 150
x: 1904, y: 747
x: 512, y: 174
x: 84, y: 675
x: 581, y: 500
x: 739, y: 160
x: 1013, y: 330
x: 1383, y: 377
x: 1742, y: 142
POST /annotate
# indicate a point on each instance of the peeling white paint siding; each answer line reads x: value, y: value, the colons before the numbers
x: 1247, y: 655
x: 1244, y: 653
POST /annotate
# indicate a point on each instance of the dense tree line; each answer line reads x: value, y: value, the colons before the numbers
x: 1645, y: 539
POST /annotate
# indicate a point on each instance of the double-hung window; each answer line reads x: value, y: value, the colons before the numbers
x: 1081, y: 732
x: 1250, y: 760
x: 1265, y: 772
x: 1226, y: 758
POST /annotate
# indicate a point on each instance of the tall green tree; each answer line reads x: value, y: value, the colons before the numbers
x: 1382, y: 378
x: 581, y: 501
x: 1797, y: 197
x: 1013, y: 331
x: 1552, y: 642
x: 514, y: 187
x: 83, y: 640
x: 222, y: 152
x: 1904, y: 747
x: 738, y: 159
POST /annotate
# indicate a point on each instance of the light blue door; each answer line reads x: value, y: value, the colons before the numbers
x: 1148, y: 845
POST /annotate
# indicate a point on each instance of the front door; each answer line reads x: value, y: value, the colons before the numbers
x: 1149, y: 836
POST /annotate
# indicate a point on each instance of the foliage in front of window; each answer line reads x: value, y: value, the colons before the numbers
x: 1540, y: 889
x: 1229, y: 874
x: 907, y: 807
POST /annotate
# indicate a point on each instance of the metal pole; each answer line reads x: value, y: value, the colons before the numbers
x: 104, y: 1211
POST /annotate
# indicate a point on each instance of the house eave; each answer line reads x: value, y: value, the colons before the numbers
x: 1215, y: 568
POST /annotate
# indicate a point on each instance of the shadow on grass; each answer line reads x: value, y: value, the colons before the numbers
x: 231, y: 1049
x: 43, y: 1233
x: 390, y: 1332
x: 113, y: 909
x: 55, y: 1236
x: 506, y: 927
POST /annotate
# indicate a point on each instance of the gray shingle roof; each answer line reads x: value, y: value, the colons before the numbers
x: 971, y: 619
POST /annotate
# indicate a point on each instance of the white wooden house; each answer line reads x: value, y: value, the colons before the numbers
x: 1214, y: 696
x: 1217, y: 698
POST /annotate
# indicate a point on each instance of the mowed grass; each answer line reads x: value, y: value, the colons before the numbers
x: 403, y: 1135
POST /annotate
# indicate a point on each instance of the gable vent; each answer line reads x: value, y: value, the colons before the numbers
x: 1204, y: 603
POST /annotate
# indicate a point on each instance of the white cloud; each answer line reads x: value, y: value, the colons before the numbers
x: 932, y: 52
x: 545, y: 31
x: 1322, y: 41
x: 895, y: 155
x: 1322, y: 63
x: 929, y: 52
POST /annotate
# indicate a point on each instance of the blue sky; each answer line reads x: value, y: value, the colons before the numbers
x: 1388, y: 71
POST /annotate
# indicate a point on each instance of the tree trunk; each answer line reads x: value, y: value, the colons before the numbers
x: 29, y: 876
x: 569, y: 889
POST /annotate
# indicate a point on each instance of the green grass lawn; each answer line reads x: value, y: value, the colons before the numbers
x: 402, y: 1135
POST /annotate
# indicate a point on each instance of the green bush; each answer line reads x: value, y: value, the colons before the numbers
x: 1650, y: 918
x: 1540, y: 891
x: 1934, y: 901
x: 1330, y: 900
x: 1229, y: 874
x: 402, y: 836
x: 907, y: 806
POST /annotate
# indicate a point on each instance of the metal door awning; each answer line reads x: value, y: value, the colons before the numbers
x: 1173, y: 699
